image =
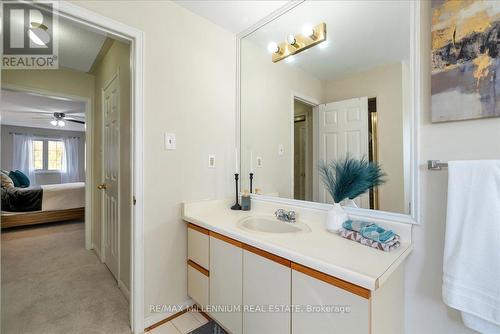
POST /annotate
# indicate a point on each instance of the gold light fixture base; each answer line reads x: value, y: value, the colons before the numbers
x: 303, y: 42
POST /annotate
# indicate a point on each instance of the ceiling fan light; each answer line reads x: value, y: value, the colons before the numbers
x: 53, y: 122
x: 61, y: 123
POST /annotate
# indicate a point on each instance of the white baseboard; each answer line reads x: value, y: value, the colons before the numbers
x: 157, y: 317
x: 124, y: 290
x: 97, y: 252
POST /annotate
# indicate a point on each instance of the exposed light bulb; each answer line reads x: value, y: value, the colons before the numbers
x: 291, y: 39
x: 53, y: 122
x: 272, y: 47
x: 61, y: 123
x: 308, y: 31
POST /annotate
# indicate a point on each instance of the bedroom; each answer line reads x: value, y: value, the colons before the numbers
x: 66, y: 186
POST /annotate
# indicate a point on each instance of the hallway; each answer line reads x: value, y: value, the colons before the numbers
x: 51, y: 284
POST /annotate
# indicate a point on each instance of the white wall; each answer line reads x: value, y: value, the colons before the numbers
x: 267, y: 117
x: 479, y: 139
x: 384, y: 83
x: 189, y: 87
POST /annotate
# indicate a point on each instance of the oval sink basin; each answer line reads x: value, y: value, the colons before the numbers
x: 271, y: 225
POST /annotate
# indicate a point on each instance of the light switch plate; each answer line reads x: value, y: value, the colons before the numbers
x: 170, y: 143
x: 211, y: 161
x: 281, y: 149
x: 259, y: 161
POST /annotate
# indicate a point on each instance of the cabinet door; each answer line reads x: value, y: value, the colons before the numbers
x: 312, y: 293
x: 226, y: 262
x: 198, y: 245
x: 265, y: 283
x: 198, y: 282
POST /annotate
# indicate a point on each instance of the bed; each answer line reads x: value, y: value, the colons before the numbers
x: 42, y: 204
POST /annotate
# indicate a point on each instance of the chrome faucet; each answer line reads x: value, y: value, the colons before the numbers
x: 285, y: 216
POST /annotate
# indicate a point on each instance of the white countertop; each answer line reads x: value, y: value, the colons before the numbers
x: 318, y: 249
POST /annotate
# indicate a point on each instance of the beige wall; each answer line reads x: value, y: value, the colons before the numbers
x: 477, y: 139
x: 267, y: 117
x: 189, y: 89
x: 384, y: 83
x: 63, y: 80
x: 117, y: 59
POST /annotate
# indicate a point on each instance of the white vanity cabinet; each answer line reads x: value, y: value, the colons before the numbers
x: 266, y: 283
x: 243, y: 281
x: 226, y: 281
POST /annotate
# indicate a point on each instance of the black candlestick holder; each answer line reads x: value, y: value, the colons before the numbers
x: 251, y: 183
x: 236, y: 205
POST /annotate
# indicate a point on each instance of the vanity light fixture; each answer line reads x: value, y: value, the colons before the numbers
x: 273, y: 48
x: 294, y: 44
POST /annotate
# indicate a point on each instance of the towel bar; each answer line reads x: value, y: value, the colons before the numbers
x: 436, y: 165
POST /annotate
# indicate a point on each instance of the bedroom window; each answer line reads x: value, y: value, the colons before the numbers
x: 55, y: 155
x: 48, y: 155
x: 38, y: 154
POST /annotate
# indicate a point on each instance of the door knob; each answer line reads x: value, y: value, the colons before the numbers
x: 102, y: 186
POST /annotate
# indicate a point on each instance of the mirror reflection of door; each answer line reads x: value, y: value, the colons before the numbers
x: 303, y: 147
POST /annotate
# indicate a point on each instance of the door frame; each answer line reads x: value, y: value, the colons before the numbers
x: 314, y: 103
x: 115, y: 75
x: 89, y: 143
x: 135, y: 37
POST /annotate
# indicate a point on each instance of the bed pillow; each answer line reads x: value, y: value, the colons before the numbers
x: 14, y: 179
x: 21, y: 179
x: 6, y: 181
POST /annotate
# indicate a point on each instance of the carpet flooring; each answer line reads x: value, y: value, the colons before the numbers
x: 52, y: 285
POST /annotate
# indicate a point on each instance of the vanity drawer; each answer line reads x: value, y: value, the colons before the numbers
x: 198, y: 245
x: 198, y: 284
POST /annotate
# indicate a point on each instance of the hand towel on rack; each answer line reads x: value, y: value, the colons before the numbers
x: 471, y: 263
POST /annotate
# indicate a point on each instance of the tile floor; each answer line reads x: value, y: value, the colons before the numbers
x: 183, y: 324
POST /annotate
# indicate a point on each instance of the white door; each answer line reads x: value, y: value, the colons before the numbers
x: 343, y: 129
x: 111, y: 164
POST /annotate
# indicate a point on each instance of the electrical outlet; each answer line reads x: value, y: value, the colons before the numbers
x: 211, y: 161
x: 170, y: 143
x: 259, y: 162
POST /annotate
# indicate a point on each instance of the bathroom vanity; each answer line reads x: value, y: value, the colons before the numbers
x: 255, y: 274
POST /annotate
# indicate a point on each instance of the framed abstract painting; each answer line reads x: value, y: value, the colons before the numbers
x: 465, y: 81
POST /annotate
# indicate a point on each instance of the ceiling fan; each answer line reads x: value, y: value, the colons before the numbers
x: 60, y: 118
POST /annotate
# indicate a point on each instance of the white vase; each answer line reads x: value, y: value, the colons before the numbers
x: 335, y: 217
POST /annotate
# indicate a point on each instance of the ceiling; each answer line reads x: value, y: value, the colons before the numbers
x: 25, y: 109
x: 234, y: 16
x: 360, y: 35
x: 78, y: 46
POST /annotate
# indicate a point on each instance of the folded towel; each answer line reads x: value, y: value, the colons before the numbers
x: 356, y: 236
x: 355, y: 225
x: 471, y: 263
x: 370, y: 231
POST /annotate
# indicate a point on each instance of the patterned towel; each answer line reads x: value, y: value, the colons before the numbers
x: 370, y: 231
x: 356, y: 236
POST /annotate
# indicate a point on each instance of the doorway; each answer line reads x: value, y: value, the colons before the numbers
x: 133, y: 265
x: 303, y: 132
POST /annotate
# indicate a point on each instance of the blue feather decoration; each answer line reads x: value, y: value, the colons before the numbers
x: 349, y: 178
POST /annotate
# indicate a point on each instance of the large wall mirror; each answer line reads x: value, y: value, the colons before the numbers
x: 303, y: 100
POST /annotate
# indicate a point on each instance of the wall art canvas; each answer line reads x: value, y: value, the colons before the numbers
x: 465, y: 59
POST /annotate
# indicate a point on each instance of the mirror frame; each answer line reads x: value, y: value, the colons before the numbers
x: 415, y: 104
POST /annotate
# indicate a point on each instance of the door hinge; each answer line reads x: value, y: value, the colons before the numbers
x: 134, y: 200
